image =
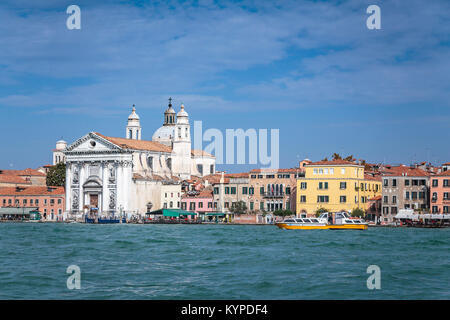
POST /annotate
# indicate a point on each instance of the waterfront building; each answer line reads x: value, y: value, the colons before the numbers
x: 58, y: 152
x: 273, y: 189
x: 230, y: 189
x: 337, y: 185
x: 49, y: 201
x: 440, y: 192
x: 200, y: 202
x: 404, y: 187
x: 109, y: 175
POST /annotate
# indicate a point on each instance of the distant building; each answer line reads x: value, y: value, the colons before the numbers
x: 440, y: 192
x: 198, y: 201
x: 58, y: 154
x: 12, y: 178
x: 404, y: 187
x: 337, y: 185
x: 50, y: 201
x: 230, y: 189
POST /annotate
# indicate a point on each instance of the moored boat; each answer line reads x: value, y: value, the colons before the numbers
x: 327, y: 220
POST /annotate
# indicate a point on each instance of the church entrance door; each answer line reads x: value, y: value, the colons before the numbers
x: 93, y: 200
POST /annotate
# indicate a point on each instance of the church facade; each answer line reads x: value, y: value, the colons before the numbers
x: 112, y: 175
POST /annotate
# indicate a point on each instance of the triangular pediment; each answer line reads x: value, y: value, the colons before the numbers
x: 92, y: 142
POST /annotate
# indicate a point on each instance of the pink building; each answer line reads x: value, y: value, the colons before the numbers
x: 440, y: 192
x: 198, y: 201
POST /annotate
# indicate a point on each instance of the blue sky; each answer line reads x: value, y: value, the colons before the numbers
x: 309, y: 68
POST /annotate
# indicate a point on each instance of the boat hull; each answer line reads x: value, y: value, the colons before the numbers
x: 287, y: 226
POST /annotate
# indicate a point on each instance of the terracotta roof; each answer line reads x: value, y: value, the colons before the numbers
x: 200, y: 153
x: 445, y: 173
x: 370, y: 177
x: 236, y: 175
x: 9, y: 178
x: 280, y: 170
x: 375, y: 198
x: 26, y: 172
x: 137, y: 144
x: 446, y: 164
x: 205, y: 193
x: 333, y: 162
x: 31, y: 191
x: 405, y: 171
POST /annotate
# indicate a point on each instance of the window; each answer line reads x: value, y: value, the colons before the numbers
x: 253, y: 176
x: 59, y: 201
x: 331, y: 171
x: 251, y: 205
x: 261, y: 190
x: 385, y: 199
x: 407, y: 195
x: 325, y: 171
x: 200, y: 204
x: 244, y: 190
x: 434, y: 197
x: 302, y: 198
x: 261, y: 205
x: 227, y: 190
x: 414, y: 195
x: 343, y: 185
x: 415, y: 182
x: 227, y: 205
x: 171, y: 204
x: 446, y: 209
x: 165, y: 205
x: 407, y: 182
x: 423, y: 182
x: 342, y: 170
x: 209, y: 204
x: 233, y: 190
x: 315, y: 171
x: 393, y: 210
x: 288, y: 190
x: 216, y: 190
x: 323, y: 185
x: 192, y: 206
x: 445, y: 182
x: 322, y: 199
x: 4, y: 202
x: 343, y: 199
x: 434, y: 209
x: 24, y: 202
x: 52, y: 201
x: 421, y: 195
x: 211, y: 169
x: 260, y: 176
x: 385, y: 182
x: 394, y: 199
x: 435, y: 182
x: 270, y: 176
x: 169, y: 163
x: 150, y: 163
x: 303, y: 185
x: 45, y: 202
x: 394, y: 182
x: 37, y: 202
x: 200, y: 169
x: 251, y: 190
x: 446, y: 196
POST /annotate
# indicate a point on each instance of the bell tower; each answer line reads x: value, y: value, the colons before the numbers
x: 133, y: 130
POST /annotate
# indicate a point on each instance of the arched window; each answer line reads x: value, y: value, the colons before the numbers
x: 150, y: 163
x: 169, y: 163
x: 130, y: 134
x: 186, y: 130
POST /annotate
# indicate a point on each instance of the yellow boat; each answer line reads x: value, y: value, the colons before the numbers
x: 330, y: 221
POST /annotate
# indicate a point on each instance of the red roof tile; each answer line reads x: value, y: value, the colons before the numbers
x: 137, y: 144
x: 31, y: 191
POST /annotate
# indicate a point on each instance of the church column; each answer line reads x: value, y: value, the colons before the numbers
x: 68, y: 189
x: 104, y: 203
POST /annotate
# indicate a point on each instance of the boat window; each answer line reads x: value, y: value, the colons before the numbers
x: 323, y: 215
x: 307, y: 220
x: 299, y: 220
x: 289, y: 220
x: 348, y: 221
x: 346, y: 214
x: 314, y: 220
x: 356, y: 221
x: 339, y: 215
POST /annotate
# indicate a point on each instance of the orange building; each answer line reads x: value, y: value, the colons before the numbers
x: 440, y: 192
x: 50, y: 201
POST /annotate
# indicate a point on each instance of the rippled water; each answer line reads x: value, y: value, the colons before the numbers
x: 221, y: 262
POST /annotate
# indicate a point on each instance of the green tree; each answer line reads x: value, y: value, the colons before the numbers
x: 283, y: 213
x: 349, y: 158
x: 357, y: 212
x: 320, y: 211
x: 336, y: 156
x: 239, y: 207
x: 56, y: 175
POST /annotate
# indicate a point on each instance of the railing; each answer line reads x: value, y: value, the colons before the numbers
x: 274, y: 194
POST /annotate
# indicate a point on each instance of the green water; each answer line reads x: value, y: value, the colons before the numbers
x: 221, y: 262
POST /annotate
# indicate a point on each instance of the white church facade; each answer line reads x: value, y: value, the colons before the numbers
x: 111, y: 176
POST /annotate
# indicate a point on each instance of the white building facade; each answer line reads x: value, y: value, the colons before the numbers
x: 110, y: 176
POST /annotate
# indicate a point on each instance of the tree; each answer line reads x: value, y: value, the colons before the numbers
x: 357, y: 212
x: 325, y: 159
x: 239, y: 207
x: 349, y: 158
x: 336, y: 156
x: 320, y: 211
x: 283, y: 213
x: 56, y: 175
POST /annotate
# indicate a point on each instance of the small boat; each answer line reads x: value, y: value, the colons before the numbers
x: 105, y: 220
x: 327, y: 220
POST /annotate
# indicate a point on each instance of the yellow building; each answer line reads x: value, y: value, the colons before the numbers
x: 337, y: 185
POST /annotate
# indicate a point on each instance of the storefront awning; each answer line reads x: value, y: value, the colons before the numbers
x: 172, y: 213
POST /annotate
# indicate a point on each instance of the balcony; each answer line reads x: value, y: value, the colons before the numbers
x: 274, y: 194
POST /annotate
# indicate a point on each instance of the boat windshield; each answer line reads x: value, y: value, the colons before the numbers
x: 307, y: 220
x: 348, y: 221
x: 315, y: 220
x: 299, y: 220
x: 289, y: 220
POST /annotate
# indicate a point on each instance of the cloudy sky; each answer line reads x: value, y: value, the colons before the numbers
x: 309, y: 68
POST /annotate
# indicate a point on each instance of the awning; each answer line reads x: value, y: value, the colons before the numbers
x: 172, y: 212
x: 16, y: 211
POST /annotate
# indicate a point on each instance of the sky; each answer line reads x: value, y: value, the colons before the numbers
x: 311, y: 69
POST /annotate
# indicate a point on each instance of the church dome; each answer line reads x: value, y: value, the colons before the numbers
x: 164, y: 134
